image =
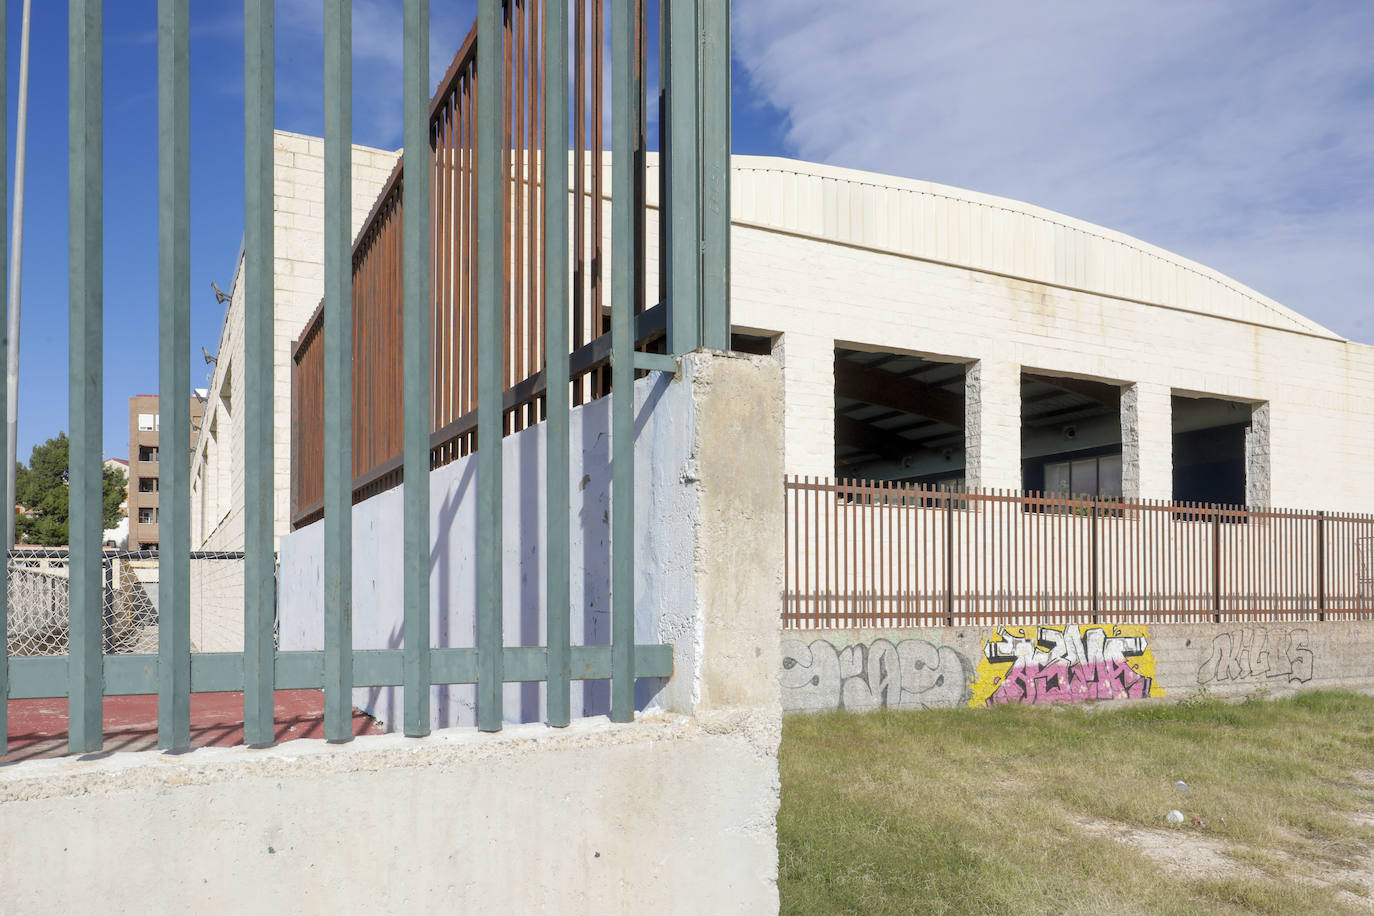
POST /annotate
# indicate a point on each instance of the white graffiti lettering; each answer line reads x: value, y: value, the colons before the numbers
x: 911, y: 674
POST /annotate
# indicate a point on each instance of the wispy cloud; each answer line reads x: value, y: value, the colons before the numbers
x: 1239, y: 133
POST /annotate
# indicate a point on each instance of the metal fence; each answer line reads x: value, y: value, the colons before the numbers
x: 695, y: 114
x: 866, y: 553
x: 38, y: 607
x: 452, y: 232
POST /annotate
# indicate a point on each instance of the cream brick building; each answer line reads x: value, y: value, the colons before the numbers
x: 217, y: 465
x: 830, y: 263
x: 1018, y: 345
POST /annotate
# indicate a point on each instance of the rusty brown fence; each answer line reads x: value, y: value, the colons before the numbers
x: 377, y: 252
x: 883, y: 554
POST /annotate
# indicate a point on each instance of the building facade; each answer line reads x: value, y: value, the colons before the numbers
x: 217, y: 465
x: 144, y: 462
x: 939, y: 335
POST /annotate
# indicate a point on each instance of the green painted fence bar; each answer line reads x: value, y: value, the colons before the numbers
x: 85, y: 383
x: 259, y: 608
x: 681, y: 216
x: 491, y: 233
x: 557, y: 455
x: 694, y: 238
x: 6, y: 499
x: 40, y: 677
x: 416, y: 318
x: 626, y: 140
x: 715, y: 173
x: 338, y: 371
x: 174, y: 375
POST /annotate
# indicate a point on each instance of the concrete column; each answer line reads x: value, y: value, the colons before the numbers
x: 992, y: 424
x: 1147, y: 442
x: 809, y: 402
x: 722, y: 609
x: 1258, y: 491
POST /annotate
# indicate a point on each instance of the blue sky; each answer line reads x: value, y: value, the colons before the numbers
x: 1239, y: 133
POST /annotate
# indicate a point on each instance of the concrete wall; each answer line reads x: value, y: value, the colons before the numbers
x: 660, y: 816
x: 672, y: 813
x: 861, y: 669
x: 665, y: 417
x: 217, y: 462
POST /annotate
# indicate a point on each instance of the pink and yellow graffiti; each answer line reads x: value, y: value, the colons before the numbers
x: 1064, y: 664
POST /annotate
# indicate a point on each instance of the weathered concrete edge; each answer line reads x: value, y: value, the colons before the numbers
x: 309, y: 757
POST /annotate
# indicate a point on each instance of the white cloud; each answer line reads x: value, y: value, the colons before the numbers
x: 1239, y: 133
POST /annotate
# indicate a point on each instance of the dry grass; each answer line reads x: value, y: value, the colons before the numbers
x: 1061, y: 809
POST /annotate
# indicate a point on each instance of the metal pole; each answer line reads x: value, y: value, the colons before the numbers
x: 16, y: 263
x: 416, y: 350
x: 1092, y: 563
x: 1321, y: 565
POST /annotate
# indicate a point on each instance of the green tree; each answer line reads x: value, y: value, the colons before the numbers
x: 41, y: 488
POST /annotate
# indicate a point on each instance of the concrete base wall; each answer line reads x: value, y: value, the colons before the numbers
x: 862, y: 669
x: 667, y: 815
x: 672, y: 813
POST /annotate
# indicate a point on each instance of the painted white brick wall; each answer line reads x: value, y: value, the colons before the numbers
x: 809, y: 398
x: 1320, y: 389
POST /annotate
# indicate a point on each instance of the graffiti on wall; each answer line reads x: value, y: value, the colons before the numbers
x: 911, y: 674
x: 1249, y: 654
x: 1065, y: 664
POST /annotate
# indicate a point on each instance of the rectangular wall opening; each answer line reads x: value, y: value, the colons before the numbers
x: 1209, y: 437
x: 1070, y: 436
x: 899, y: 417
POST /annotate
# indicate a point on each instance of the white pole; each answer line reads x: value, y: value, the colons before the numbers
x: 16, y: 265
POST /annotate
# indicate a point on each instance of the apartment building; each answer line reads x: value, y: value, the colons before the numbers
x: 144, y: 462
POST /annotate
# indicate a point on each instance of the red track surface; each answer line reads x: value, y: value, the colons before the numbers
x: 38, y: 728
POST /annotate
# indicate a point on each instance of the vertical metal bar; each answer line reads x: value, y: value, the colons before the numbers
x: 338, y: 371
x: 715, y: 172
x: 1321, y: 565
x: 174, y: 376
x: 557, y: 456
x: 1216, y: 564
x: 949, y: 558
x: 490, y: 362
x: 627, y: 141
x: 6, y: 497
x: 415, y: 551
x: 259, y: 608
x: 1094, y: 571
x: 682, y: 211
x: 85, y: 378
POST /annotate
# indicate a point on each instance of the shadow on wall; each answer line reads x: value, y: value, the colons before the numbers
x: 662, y: 434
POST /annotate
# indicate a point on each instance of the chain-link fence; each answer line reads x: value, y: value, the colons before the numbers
x: 38, y: 612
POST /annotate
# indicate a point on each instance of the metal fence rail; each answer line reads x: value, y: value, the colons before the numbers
x: 699, y: 135
x: 452, y: 232
x: 864, y: 553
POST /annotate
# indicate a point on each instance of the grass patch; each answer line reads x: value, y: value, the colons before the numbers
x: 1061, y: 809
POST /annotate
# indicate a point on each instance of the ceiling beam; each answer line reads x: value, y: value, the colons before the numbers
x: 872, y: 439
x: 1098, y: 392
x: 897, y: 392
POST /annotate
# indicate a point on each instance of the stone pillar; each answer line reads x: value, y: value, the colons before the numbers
x: 1258, y: 491
x: 992, y: 424
x: 809, y: 402
x: 1147, y: 442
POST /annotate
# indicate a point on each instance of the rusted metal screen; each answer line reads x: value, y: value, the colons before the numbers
x: 876, y: 553
x: 377, y: 417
